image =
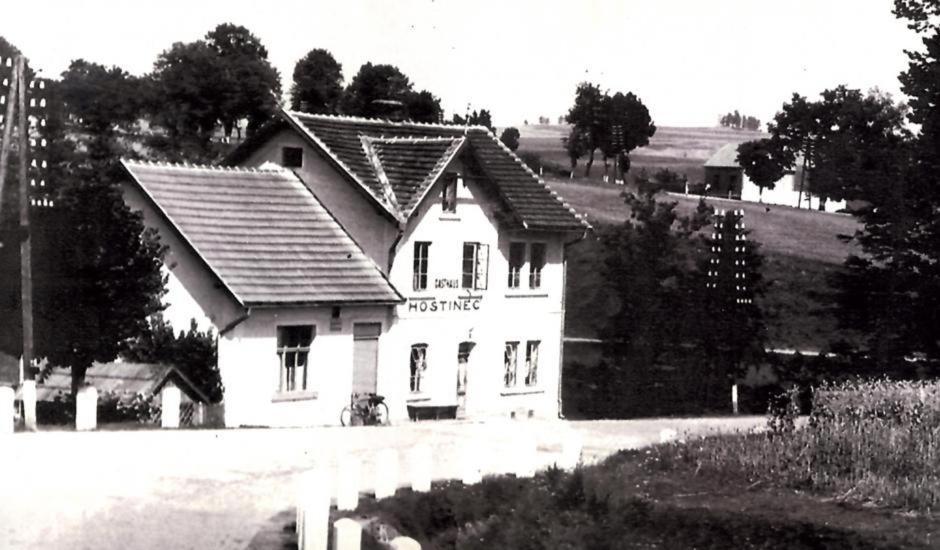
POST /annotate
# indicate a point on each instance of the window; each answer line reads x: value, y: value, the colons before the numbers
x: 293, y: 348
x: 475, y: 265
x: 420, y: 278
x: 449, y: 194
x: 418, y: 364
x: 509, y: 363
x: 532, y: 362
x: 463, y: 357
x: 536, y: 263
x: 516, y: 259
x: 292, y: 157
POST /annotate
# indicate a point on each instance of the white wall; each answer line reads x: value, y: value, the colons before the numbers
x: 785, y: 193
x: 250, y: 368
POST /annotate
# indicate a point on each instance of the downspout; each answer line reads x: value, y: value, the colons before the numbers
x: 561, y: 339
x: 394, y: 248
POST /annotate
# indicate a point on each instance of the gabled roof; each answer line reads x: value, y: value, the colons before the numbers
x: 120, y: 378
x: 726, y: 157
x: 263, y: 234
x: 395, y: 163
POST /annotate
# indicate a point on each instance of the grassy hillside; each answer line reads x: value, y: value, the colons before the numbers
x: 683, y: 150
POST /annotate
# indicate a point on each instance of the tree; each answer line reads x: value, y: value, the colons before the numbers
x: 510, y: 138
x: 251, y: 86
x: 891, y: 292
x: 586, y: 115
x: 575, y: 147
x: 423, y: 106
x: 762, y: 163
x: 476, y: 118
x: 376, y: 91
x: 193, y: 352
x: 318, y: 83
x: 186, y: 83
x: 626, y: 125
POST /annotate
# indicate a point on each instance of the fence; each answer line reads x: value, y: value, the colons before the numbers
x: 341, y: 481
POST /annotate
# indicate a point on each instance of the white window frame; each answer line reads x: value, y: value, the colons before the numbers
x: 510, y: 364
x: 514, y: 279
x: 535, y: 273
x: 417, y: 364
x: 479, y: 268
x: 419, y: 277
x: 532, y: 362
x: 287, y: 378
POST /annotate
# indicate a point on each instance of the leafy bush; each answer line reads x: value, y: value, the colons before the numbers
x: 113, y: 407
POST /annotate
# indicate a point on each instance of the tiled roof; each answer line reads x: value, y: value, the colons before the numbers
x: 119, y: 378
x: 263, y: 234
x: 726, y: 157
x: 408, y: 153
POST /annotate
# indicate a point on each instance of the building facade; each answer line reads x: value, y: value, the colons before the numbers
x: 469, y: 242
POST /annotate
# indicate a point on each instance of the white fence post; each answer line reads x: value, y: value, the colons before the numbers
x: 420, y: 464
x: 170, y: 398
x: 470, y: 467
x: 734, y: 398
x: 404, y: 543
x: 348, y: 478
x: 86, y: 409
x: 667, y: 434
x: 526, y: 452
x: 571, y: 448
x: 386, y: 473
x: 347, y: 535
x: 313, y: 517
x: 28, y: 390
x: 7, y: 396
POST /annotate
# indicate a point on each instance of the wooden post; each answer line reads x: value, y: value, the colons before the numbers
x: 28, y: 392
x: 26, y: 261
x: 86, y: 409
x: 347, y: 535
x: 7, y: 396
x: 386, y: 473
x: 170, y: 398
x: 404, y: 543
x: 348, y: 477
x: 420, y: 463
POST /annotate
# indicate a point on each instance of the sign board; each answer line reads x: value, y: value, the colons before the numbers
x: 444, y: 305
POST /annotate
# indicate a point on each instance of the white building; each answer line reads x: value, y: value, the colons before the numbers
x: 421, y: 262
x: 726, y: 178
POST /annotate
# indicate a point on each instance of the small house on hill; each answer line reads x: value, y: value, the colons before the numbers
x: 725, y: 178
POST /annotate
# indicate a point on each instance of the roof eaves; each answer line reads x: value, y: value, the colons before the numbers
x: 435, y: 174
x: 179, y: 232
x: 346, y: 170
x: 401, y: 124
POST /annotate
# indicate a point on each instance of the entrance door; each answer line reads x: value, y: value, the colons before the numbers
x: 463, y: 361
x: 365, y: 357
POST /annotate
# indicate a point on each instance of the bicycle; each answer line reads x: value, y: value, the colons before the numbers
x: 367, y: 409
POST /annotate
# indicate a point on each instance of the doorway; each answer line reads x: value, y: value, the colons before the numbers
x: 365, y: 357
x: 463, y: 362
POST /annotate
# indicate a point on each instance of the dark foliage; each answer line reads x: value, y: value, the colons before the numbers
x: 510, y: 138
x: 318, y: 83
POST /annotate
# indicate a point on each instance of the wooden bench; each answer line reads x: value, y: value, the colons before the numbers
x: 431, y: 411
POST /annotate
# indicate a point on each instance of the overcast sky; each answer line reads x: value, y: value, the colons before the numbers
x: 688, y: 60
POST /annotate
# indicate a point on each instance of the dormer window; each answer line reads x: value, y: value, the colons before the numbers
x: 449, y: 195
x: 292, y: 157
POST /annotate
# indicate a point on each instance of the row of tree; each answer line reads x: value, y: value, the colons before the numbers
x: 739, y: 121
x: 612, y: 124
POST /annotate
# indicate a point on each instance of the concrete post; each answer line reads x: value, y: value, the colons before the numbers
x: 571, y: 448
x: 386, y: 473
x: 526, y: 455
x: 348, y: 477
x: 170, y: 398
x: 7, y: 396
x: 86, y: 409
x: 470, y: 467
x: 420, y: 465
x: 404, y: 543
x: 314, y: 511
x: 28, y: 391
x: 347, y: 535
x: 734, y: 398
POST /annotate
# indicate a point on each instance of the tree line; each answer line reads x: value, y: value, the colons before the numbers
x: 738, y: 121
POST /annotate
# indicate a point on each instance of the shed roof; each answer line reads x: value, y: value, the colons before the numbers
x: 263, y: 234
x: 409, y: 152
x: 726, y: 157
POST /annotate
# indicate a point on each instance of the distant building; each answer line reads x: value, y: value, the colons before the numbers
x: 724, y: 177
x: 422, y: 262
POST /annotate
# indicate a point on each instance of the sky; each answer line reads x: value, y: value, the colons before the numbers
x: 688, y: 60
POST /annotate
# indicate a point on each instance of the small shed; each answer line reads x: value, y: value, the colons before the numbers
x: 723, y: 174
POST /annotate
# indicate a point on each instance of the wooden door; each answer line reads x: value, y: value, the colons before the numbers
x: 365, y: 357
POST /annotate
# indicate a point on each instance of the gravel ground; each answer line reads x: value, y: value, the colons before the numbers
x: 206, y: 490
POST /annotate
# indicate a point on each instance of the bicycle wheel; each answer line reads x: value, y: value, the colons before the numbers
x: 381, y: 414
x: 345, y: 417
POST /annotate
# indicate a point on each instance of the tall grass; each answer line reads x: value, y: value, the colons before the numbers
x: 876, y: 441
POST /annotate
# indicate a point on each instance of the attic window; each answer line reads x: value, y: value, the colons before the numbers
x: 292, y: 157
x: 449, y: 194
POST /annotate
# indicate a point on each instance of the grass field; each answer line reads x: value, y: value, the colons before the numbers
x: 684, y: 150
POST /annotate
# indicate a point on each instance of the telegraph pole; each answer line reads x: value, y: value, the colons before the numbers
x: 26, y: 264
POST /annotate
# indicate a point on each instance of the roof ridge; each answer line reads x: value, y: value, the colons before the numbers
x: 208, y: 167
x: 371, y: 120
x: 414, y: 139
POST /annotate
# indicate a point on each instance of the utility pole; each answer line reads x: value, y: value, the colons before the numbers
x: 26, y: 263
